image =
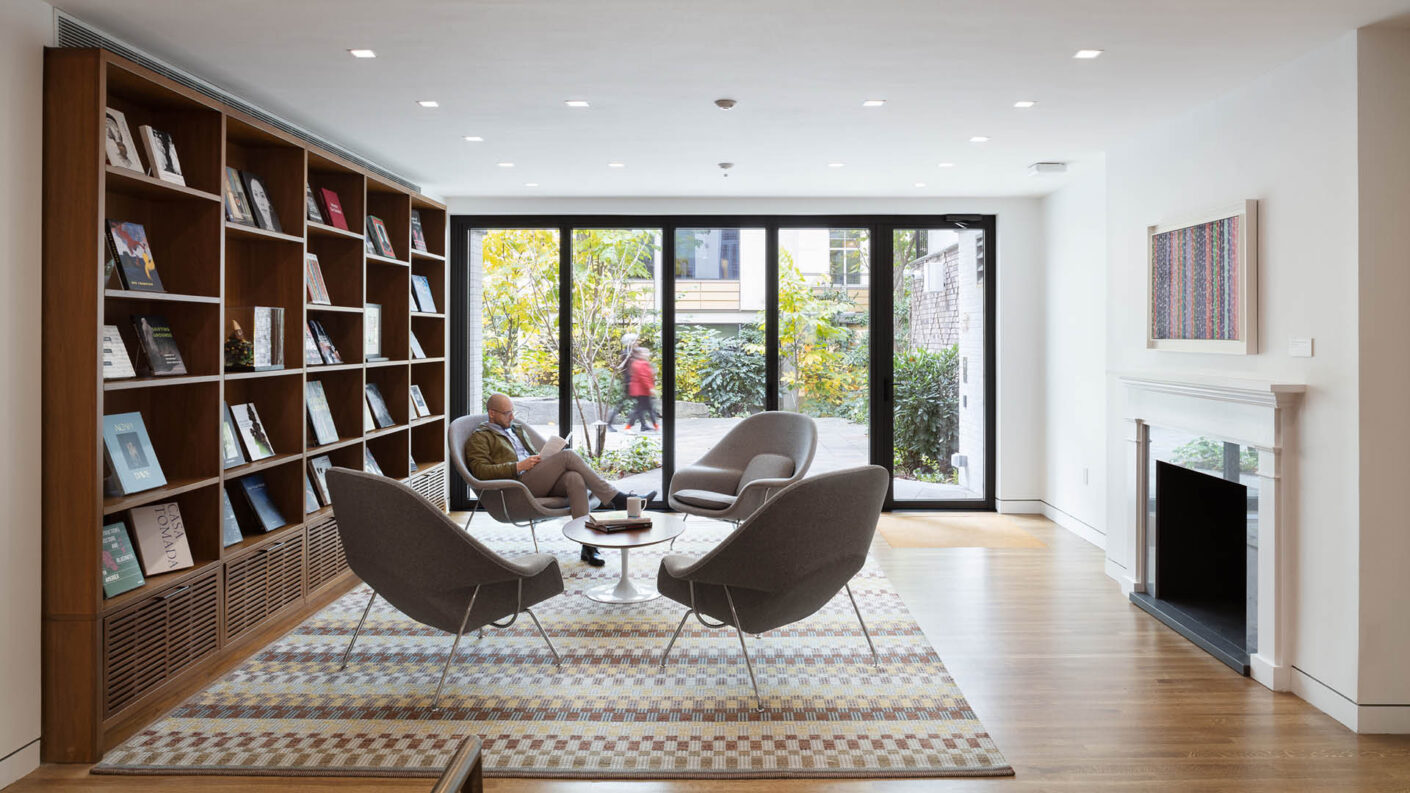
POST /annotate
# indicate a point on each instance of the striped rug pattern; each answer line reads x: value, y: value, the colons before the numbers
x: 609, y: 712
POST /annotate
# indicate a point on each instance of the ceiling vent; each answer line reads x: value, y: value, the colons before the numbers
x: 1044, y: 168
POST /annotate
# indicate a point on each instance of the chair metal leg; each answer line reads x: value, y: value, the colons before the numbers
x: 533, y: 525
x: 348, y: 652
x: 672, y: 642
x: 557, y: 660
x: 875, y: 659
x: 436, y: 701
x: 473, y: 509
x: 758, y: 700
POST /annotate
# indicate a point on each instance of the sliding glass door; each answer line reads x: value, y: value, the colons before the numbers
x: 650, y: 337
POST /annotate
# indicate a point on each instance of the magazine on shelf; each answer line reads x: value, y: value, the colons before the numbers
x: 128, y: 245
x: 161, y: 153
x: 122, y: 150
x: 161, y: 538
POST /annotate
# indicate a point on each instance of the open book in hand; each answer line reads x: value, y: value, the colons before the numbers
x: 552, y: 446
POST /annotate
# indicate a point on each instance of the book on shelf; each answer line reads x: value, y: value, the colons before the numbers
x: 310, y: 498
x: 320, y: 416
x: 116, y: 363
x: 252, y: 432
x: 231, y: 454
x: 121, y: 572
x: 122, y: 150
x: 425, y: 301
x: 379, y: 406
x: 312, y: 357
x: 418, y: 236
x: 128, y: 245
x: 372, y: 332
x: 254, y: 341
x: 253, y: 499
x: 161, y: 538
x: 237, y: 203
x: 367, y: 245
x: 229, y: 523
x: 157, y: 353
x: 319, y: 466
x: 161, y: 154
x: 317, y: 287
x: 128, y: 452
x: 368, y: 424
x: 419, y: 400
x: 416, y: 351
x: 261, y: 202
x: 311, y: 206
x: 334, y: 209
x: 369, y: 463
x: 326, y: 348
x: 381, y: 240
x: 412, y: 466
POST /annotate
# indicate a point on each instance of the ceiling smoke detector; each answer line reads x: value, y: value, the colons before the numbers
x: 1040, y: 168
x: 725, y: 166
x: 725, y: 104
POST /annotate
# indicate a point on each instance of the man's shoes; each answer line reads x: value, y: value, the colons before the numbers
x: 619, y: 501
x: 591, y: 556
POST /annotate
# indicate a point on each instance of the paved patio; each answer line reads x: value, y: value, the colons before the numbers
x: 841, y: 444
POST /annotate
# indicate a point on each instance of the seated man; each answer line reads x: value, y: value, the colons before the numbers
x: 499, y: 449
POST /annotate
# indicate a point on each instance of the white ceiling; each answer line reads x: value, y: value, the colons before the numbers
x: 799, y: 69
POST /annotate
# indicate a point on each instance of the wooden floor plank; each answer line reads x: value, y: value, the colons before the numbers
x: 1081, y: 690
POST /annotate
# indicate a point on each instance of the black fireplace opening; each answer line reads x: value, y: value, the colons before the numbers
x: 1200, y: 585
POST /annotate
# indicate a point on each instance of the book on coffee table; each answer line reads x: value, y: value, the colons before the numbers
x: 610, y: 525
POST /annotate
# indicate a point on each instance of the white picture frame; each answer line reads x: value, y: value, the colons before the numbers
x: 1184, y: 313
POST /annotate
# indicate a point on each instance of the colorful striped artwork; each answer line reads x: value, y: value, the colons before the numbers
x: 1195, y: 281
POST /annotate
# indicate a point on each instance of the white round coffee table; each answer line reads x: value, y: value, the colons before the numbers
x: 664, y: 528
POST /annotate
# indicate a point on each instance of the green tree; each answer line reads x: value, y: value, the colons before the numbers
x: 519, y: 314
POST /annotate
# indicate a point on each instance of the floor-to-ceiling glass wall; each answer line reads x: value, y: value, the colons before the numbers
x: 514, y: 321
x: 616, y: 353
x: 719, y: 276
x: 939, y: 344
x: 824, y: 285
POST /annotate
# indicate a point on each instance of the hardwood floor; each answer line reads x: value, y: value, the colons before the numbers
x: 1081, y: 691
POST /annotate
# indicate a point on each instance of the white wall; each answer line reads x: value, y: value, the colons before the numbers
x: 1288, y: 139
x: 1019, y: 323
x: 1075, y: 416
x: 26, y: 26
x: 1383, y: 70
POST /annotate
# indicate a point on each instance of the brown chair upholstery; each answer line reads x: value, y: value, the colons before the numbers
x: 507, y: 500
x: 427, y: 567
x: 786, y: 561
x: 758, y: 457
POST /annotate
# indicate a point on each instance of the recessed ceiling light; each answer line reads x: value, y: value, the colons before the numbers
x: 428, y: 103
x: 474, y: 139
x: 1024, y: 103
x: 616, y: 165
x: 920, y: 184
x: 874, y: 103
x: 362, y: 53
x: 1087, y: 55
x: 505, y: 164
x: 531, y: 184
x: 979, y: 139
x: 576, y: 103
x: 836, y: 164
x: 945, y: 165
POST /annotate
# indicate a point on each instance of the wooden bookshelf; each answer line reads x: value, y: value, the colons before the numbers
x: 110, y: 666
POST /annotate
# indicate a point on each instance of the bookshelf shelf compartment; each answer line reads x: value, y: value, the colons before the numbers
x: 380, y: 364
x: 173, y: 488
x: 235, y: 472
x: 316, y: 229
x: 157, y: 382
x: 157, y: 585
x: 333, y: 309
x: 385, y: 431
x: 315, y: 371
x: 252, y: 543
x: 341, y: 443
x: 263, y: 375
x: 158, y: 297
x: 140, y: 185
x: 415, y: 254
x: 375, y: 259
x: 261, y: 235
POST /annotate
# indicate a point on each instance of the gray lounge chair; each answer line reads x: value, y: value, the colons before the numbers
x: 507, y: 500
x: 760, y: 456
x: 784, y: 562
x: 430, y: 569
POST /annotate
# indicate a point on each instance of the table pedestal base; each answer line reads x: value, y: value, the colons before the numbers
x: 624, y: 589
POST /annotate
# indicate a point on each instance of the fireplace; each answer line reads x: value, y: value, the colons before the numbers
x: 1209, y: 467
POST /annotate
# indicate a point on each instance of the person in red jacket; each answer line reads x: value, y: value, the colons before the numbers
x: 641, y: 387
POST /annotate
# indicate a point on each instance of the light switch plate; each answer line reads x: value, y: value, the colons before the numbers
x: 1300, y: 348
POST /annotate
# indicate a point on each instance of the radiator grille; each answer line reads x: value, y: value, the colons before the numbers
x: 431, y: 483
x: 258, y: 586
x: 158, y: 639
x: 326, y: 560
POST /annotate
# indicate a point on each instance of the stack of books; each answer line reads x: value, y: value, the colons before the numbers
x: 610, y: 525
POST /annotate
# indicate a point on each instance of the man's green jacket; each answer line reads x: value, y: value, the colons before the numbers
x: 491, y: 455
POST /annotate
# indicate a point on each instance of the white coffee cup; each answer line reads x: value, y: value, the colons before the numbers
x: 635, y: 505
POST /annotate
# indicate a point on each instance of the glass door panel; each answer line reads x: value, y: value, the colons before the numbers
x: 824, y: 281
x: 939, y: 420
x: 516, y: 334
x: 719, y: 330
x: 616, y: 354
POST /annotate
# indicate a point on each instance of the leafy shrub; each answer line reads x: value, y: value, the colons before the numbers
x: 1208, y: 454
x: 498, y: 385
x: 927, y: 411
x: 733, y: 382
x: 644, y: 454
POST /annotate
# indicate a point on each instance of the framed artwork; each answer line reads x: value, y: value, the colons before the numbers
x: 1202, y: 282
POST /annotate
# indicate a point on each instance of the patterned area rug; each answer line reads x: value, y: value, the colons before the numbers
x: 609, y: 712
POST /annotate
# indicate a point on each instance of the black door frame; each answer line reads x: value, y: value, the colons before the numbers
x: 881, y: 228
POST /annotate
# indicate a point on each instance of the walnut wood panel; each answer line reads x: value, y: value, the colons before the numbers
x: 261, y: 584
x: 326, y: 559
x: 279, y: 403
x: 392, y: 451
x: 345, y: 400
x: 389, y: 287
x: 325, y: 172
x: 268, y: 272
x: 184, y: 235
x: 194, y: 326
x: 393, y: 206
x: 183, y: 423
x: 157, y: 639
x: 195, y: 126
x: 433, y: 224
x: 340, y: 259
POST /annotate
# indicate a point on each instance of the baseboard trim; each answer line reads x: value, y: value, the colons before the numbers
x: 1383, y: 719
x: 1019, y: 506
x: 1120, y: 575
x: 1075, y: 525
x: 1276, y: 678
x: 1325, y: 698
x: 17, y: 764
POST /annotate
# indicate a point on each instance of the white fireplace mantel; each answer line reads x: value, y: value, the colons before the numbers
x: 1257, y: 413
